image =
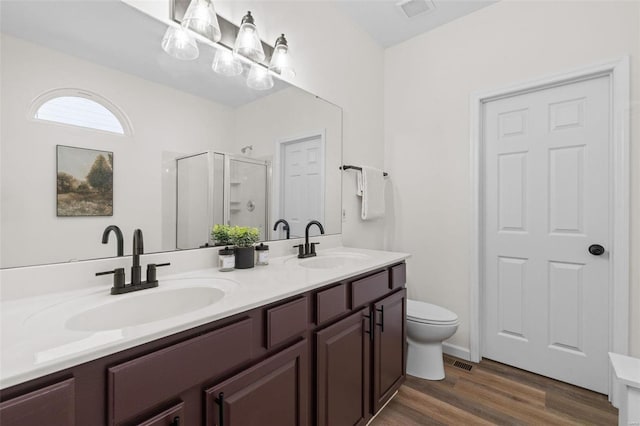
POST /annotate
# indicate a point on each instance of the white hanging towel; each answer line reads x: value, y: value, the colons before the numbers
x: 371, y: 188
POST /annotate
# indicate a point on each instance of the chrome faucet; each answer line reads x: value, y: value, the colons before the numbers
x: 309, y: 250
x: 285, y: 226
x: 119, y: 239
x: 138, y: 249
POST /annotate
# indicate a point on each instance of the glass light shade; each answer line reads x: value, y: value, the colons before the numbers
x: 248, y: 42
x: 201, y: 17
x: 178, y: 43
x: 226, y: 64
x: 259, y: 78
x: 280, y: 61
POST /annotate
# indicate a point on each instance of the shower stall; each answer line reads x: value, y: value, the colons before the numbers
x: 219, y: 188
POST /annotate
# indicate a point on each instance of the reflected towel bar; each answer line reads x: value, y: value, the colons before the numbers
x: 346, y: 167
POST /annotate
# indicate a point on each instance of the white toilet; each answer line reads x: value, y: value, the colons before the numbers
x: 427, y: 327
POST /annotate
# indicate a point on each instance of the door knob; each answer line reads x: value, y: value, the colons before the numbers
x: 596, y: 249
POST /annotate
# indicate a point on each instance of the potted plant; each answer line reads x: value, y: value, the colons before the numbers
x: 220, y: 235
x: 243, y: 238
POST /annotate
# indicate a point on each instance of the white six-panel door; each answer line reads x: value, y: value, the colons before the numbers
x: 302, y: 184
x: 545, y: 202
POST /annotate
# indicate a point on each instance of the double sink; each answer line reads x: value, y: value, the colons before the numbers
x: 172, y: 298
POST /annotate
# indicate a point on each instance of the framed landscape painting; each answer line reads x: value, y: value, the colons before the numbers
x: 84, y: 182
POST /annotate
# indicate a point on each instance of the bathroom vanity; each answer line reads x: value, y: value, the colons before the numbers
x: 330, y: 353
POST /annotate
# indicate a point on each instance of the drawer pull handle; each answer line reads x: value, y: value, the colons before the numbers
x: 381, y: 323
x: 175, y: 421
x: 370, y: 331
x: 220, y: 402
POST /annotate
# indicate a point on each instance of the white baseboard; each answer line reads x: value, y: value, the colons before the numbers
x: 381, y: 408
x: 457, y: 351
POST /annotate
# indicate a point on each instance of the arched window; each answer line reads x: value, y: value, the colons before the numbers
x: 80, y: 108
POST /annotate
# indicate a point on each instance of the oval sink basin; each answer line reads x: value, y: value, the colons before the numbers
x: 144, y: 308
x: 331, y: 261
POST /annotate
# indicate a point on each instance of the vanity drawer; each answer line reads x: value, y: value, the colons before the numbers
x: 286, y: 321
x: 149, y: 380
x: 173, y: 416
x: 368, y: 289
x: 398, y: 276
x: 331, y: 303
x: 52, y: 406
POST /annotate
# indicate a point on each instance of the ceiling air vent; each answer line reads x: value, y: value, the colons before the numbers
x: 413, y: 8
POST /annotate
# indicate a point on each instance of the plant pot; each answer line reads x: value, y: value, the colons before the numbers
x: 245, y: 257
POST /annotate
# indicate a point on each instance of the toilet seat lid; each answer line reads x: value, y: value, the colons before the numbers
x: 428, y: 313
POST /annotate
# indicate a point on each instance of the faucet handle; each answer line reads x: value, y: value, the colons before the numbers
x: 118, y: 277
x: 313, y: 247
x: 151, y: 271
x: 300, y: 248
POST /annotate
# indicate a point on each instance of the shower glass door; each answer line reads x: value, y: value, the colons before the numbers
x: 248, y: 192
x: 217, y: 188
x: 193, y: 201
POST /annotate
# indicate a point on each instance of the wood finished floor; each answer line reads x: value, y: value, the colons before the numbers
x: 494, y: 393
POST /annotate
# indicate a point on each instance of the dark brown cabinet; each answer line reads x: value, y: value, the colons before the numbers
x: 146, y: 381
x: 273, y: 392
x: 173, y: 416
x: 253, y: 368
x: 286, y: 321
x: 348, y: 391
x: 342, y: 371
x: 51, y: 405
x: 389, y: 347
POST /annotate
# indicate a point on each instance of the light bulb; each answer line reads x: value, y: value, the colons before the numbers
x: 226, y: 64
x: 259, y: 78
x: 201, y: 17
x: 280, y: 60
x: 178, y: 43
x: 248, y: 42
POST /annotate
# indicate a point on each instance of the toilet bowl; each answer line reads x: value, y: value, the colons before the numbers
x: 427, y: 327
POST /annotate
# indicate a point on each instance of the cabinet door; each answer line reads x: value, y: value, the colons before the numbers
x: 342, y: 374
x: 388, y: 347
x: 173, y: 416
x: 147, y: 381
x: 273, y: 392
x: 52, y: 406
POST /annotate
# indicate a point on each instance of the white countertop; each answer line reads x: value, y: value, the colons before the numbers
x: 35, y: 340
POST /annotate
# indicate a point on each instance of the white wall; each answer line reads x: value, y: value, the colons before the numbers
x: 287, y: 114
x: 164, y: 120
x: 428, y: 80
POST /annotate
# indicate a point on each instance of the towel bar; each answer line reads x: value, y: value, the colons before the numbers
x: 346, y: 167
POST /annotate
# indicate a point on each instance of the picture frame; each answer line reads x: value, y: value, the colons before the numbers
x: 84, y: 182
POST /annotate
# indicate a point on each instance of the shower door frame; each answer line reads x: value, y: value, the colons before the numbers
x: 226, y: 189
x: 226, y: 197
x: 210, y: 183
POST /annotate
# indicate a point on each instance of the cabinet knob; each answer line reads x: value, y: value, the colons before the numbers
x: 175, y: 421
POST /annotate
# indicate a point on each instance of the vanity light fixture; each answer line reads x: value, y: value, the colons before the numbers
x: 226, y: 63
x: 180, y: 44
x: 259, y: 78
x: 280, y: 60
x: 201, y: 17
x: 248, y: 51
x: 248, y: 42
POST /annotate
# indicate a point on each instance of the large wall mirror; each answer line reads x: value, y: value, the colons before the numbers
x: 101, y: 127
